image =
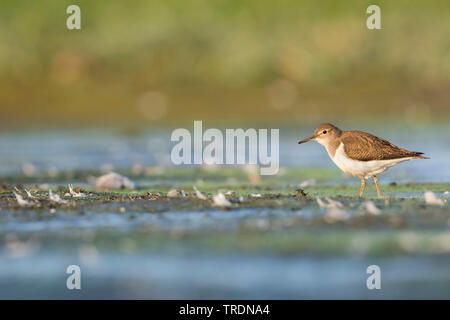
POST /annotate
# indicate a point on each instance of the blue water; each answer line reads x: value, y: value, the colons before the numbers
x: 159, y: 276
x: 93, y: 149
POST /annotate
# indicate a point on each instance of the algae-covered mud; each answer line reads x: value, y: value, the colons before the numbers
x: 284, y: 236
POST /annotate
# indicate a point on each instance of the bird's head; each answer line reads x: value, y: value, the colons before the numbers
x: 324, y: 134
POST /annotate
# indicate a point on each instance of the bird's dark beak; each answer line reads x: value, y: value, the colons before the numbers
x: 307, y: 139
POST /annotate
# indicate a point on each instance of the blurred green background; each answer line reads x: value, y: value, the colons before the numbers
x: 158, y: 63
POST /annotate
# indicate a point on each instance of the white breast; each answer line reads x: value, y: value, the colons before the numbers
x: 358, y: 168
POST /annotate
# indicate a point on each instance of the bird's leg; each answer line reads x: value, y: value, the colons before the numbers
x: 363, y: 185
x: 378, y: 187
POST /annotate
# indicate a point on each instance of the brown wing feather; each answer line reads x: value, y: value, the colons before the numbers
x: 363, y: 146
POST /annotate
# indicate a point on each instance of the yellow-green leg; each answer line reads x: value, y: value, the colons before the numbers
x: 363, y: 185
x: 378, y: 187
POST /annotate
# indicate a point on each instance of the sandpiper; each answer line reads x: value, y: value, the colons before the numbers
x: 359, y: 153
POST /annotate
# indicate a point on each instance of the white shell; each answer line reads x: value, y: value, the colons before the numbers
x: 114, y: 180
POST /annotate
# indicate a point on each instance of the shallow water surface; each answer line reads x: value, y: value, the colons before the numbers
x: 281, y: 244
x: 93, y: 149
x: 224, y: 276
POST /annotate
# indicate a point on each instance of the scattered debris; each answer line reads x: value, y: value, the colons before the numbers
x: 307, y: 183
x: 74, y: 193
x: 54, y: 197
x: 370, y: 207
x: 431, y: 199
x: 334, y: 202
x: 330, y: 203
x: 153, y: 195
x: 29, y: 194
x: 301, y: 193
x: 321, y: 203
x: 221, y: 201
x: 176, y: 193
x: 173, y: 193
x: 199, y: 195
x: 334, y: 213
x: 255, y: 195
x: 21, y: 201
x: 114, y: 181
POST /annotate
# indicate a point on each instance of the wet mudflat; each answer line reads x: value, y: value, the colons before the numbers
x: 275, y: 240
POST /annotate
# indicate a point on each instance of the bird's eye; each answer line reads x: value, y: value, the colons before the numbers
x: 324, y: 131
